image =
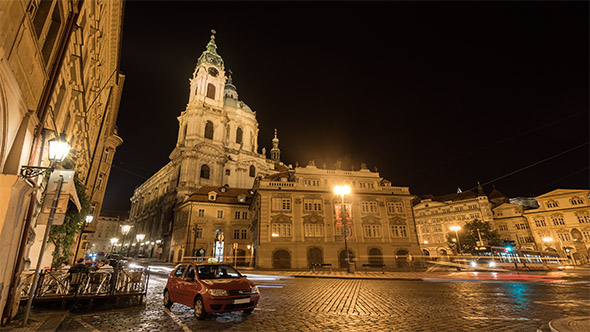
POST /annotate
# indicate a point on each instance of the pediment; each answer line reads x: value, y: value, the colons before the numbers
x: 397, y: 221
x: 370, y: 219
x: 313, y: 218
x: 208, y: 148
x: 565, y: 192
x: 280, y: 218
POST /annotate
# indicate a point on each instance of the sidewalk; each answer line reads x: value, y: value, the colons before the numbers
x: 39, y: 321
x: 570, y: 324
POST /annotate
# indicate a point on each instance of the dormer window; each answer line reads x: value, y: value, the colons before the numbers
x: 241, y: 198
x: 577, y: 201
x: 552, y: 204
x: 212, y: 196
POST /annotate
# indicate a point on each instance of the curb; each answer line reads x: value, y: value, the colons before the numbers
x: 570, y: 324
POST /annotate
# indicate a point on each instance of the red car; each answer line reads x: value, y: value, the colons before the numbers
x: 210, y: 288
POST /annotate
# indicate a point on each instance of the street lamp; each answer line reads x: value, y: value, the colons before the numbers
x: 139, y: 238
x: 89, y: 219
x: 58, y: 150
x: 125, y: 230
x: 457, y: 228
x: 113, y: 241
x: 344, y: 190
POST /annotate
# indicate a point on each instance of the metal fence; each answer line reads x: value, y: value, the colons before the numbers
x: 61, y: 284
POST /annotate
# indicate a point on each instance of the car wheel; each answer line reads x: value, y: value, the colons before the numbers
x: 199, y: 307
x: 167, y: 302
x: 248, y: 311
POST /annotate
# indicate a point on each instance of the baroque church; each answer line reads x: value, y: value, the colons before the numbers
x: 217, y: 146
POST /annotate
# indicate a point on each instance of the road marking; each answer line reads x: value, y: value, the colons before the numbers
x: 177, y: 320
x: 501, y: 318
x: 87, y: 325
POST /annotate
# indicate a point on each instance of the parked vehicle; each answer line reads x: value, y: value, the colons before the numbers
x: 209, y: 288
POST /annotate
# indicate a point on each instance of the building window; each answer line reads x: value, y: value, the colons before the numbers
x: 280, y: 230
x: 540, y: 223
x: 312, y: 205
x: 557, y: 220
x: 252, y: 171
x: 210, y: 91
x: 372, y: 231
x: 205, y: 172
x: 198, y: 232
x: 244, y: 234
x: 398, y: 231
x: 313, y: 230
x: 395, y: 207
x: 239, y: 135
x: 564, y: 237
x: 311, y: 182
x: 244, y: 215
x: 586, y: 235
x: 583, y: 218
x: 99, y: 181
x: 552, y: 204
x: 281, y: 204
x: 219, y: 214
x: 526, y: 239
x: 521, y: 226
x: 369, y: 207
x: 227, y: 172
x: 577, y: 201
x: 236, y: 234
x: 209, y: 130
x: 201, y: 213
x: 503, y: 227
x: 367, y: 185
x: 237, y: 215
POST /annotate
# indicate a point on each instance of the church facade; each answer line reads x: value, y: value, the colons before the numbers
x: 217, y: 145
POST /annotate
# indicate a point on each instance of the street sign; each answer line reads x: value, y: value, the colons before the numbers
x: 67, y: 192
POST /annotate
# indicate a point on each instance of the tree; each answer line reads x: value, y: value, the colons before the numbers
x: 468, y: 236
x: 64, y: 236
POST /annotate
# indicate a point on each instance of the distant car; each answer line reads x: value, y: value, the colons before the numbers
x: 209, y: 288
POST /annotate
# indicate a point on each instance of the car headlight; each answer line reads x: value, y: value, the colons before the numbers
x: 217, y: 292
x: 255, y: 290
x: 492, y: 264
x: 473, y: 264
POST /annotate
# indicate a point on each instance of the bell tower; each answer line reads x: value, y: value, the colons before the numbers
x: 208, y: 80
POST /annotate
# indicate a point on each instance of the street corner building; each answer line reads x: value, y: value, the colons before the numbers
x: 59, y: 77
x: 219, y: 196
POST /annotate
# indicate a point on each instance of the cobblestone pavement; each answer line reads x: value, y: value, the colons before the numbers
x: 319, y: 304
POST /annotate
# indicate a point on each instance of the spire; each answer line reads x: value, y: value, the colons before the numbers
x: 230, y: 89
x: 210, y: 54
x: 275, y: 152
x: 479, y: 189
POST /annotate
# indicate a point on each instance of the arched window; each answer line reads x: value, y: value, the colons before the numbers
x: 239, y: 134
x: 252, y: 171
x: 209, y: 130
x: 210, y: 91
x: 204, y: 172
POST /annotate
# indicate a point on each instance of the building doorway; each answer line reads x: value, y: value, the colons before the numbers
x: 375, y: 256
x: 314, y: 256
x: 281, y: 259
x: 401, y: 259
x: 241, y: 257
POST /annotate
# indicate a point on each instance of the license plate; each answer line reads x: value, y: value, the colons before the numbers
x: 240, y: 301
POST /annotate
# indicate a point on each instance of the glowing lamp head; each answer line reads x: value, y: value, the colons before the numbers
x: 547, y: 239
x: 455, y: 228
x: 89, y: 219
x: 425, y: 242
x: 140, y: 237
x: 114, y: 240
x: 58, y: 148
x: 125, y: 229
x: 342, y: 190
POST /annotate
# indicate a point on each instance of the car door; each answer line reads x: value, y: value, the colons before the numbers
x: 174, y: 285
x: 186, y: 286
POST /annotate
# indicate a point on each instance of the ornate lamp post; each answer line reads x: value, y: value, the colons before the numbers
x: 89, y: 219
x: 344, y: 190
x: 125, y: 230
x: 58, y: 150
x: 113, y: 242
x: 457, y: 228
x: 139, y: 238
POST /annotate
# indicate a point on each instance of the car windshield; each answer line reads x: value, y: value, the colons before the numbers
x: 217, y: 272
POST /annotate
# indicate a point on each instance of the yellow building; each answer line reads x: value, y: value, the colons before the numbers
x: 213, y: 222
x: 295, y: 223
x: 562, y: 223
x: 59, y: 73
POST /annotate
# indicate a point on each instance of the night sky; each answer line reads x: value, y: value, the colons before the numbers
x: 436, y: 95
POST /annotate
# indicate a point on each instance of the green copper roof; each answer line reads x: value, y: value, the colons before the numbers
x: 210, y: 54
